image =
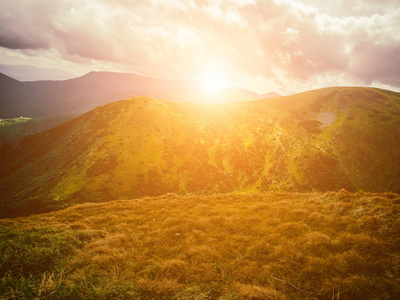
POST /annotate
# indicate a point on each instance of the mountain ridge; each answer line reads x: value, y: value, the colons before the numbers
x: 49, y: 98
x: 321, y: 140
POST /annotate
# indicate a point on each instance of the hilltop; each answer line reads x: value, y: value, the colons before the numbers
x: 319, y: 140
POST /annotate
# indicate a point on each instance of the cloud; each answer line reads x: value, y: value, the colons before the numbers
x: 22, y: 25
x: 305, y: 43
x: 376, y: 63
x: 286, y: 42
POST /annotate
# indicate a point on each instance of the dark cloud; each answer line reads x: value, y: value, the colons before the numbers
x: 20, y: 34
x: 17, y: 39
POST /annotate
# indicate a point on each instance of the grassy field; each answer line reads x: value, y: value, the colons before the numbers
x: 334, y: 245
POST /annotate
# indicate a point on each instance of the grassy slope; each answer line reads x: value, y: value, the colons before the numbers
x: 271, y: 245
x: 320, y: 140
x: 359, y: 127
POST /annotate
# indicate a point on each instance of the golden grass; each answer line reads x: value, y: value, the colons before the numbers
x: 336, y: 245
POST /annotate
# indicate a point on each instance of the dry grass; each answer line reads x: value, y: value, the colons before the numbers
x: 225, y: 246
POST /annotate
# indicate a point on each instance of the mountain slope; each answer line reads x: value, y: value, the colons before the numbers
x: 319, y: 140
x: 79, y: 95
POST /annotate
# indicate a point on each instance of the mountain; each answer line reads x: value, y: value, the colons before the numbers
x: 31, y: 73
x: 319, y: 140
x: 79, y: 95
x: 74, y: 96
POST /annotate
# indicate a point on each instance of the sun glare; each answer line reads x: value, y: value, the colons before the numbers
x: 214, y: 83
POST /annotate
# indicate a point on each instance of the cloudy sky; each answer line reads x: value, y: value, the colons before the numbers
x: 285, y: 46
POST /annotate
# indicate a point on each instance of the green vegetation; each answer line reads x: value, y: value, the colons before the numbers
x: 335, y: 245
x: 13, y: 130
x: 320, y: 140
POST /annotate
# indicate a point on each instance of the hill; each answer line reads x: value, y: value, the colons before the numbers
x: 76, y: 96
x: 228, y: 246
x: 320, y: 140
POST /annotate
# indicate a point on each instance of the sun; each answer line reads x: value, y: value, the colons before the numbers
x: 214, y: 83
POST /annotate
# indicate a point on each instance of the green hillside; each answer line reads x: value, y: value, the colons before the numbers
x: 320, y: 140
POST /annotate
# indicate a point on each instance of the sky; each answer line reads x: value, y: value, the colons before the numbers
x: 285, y: 46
